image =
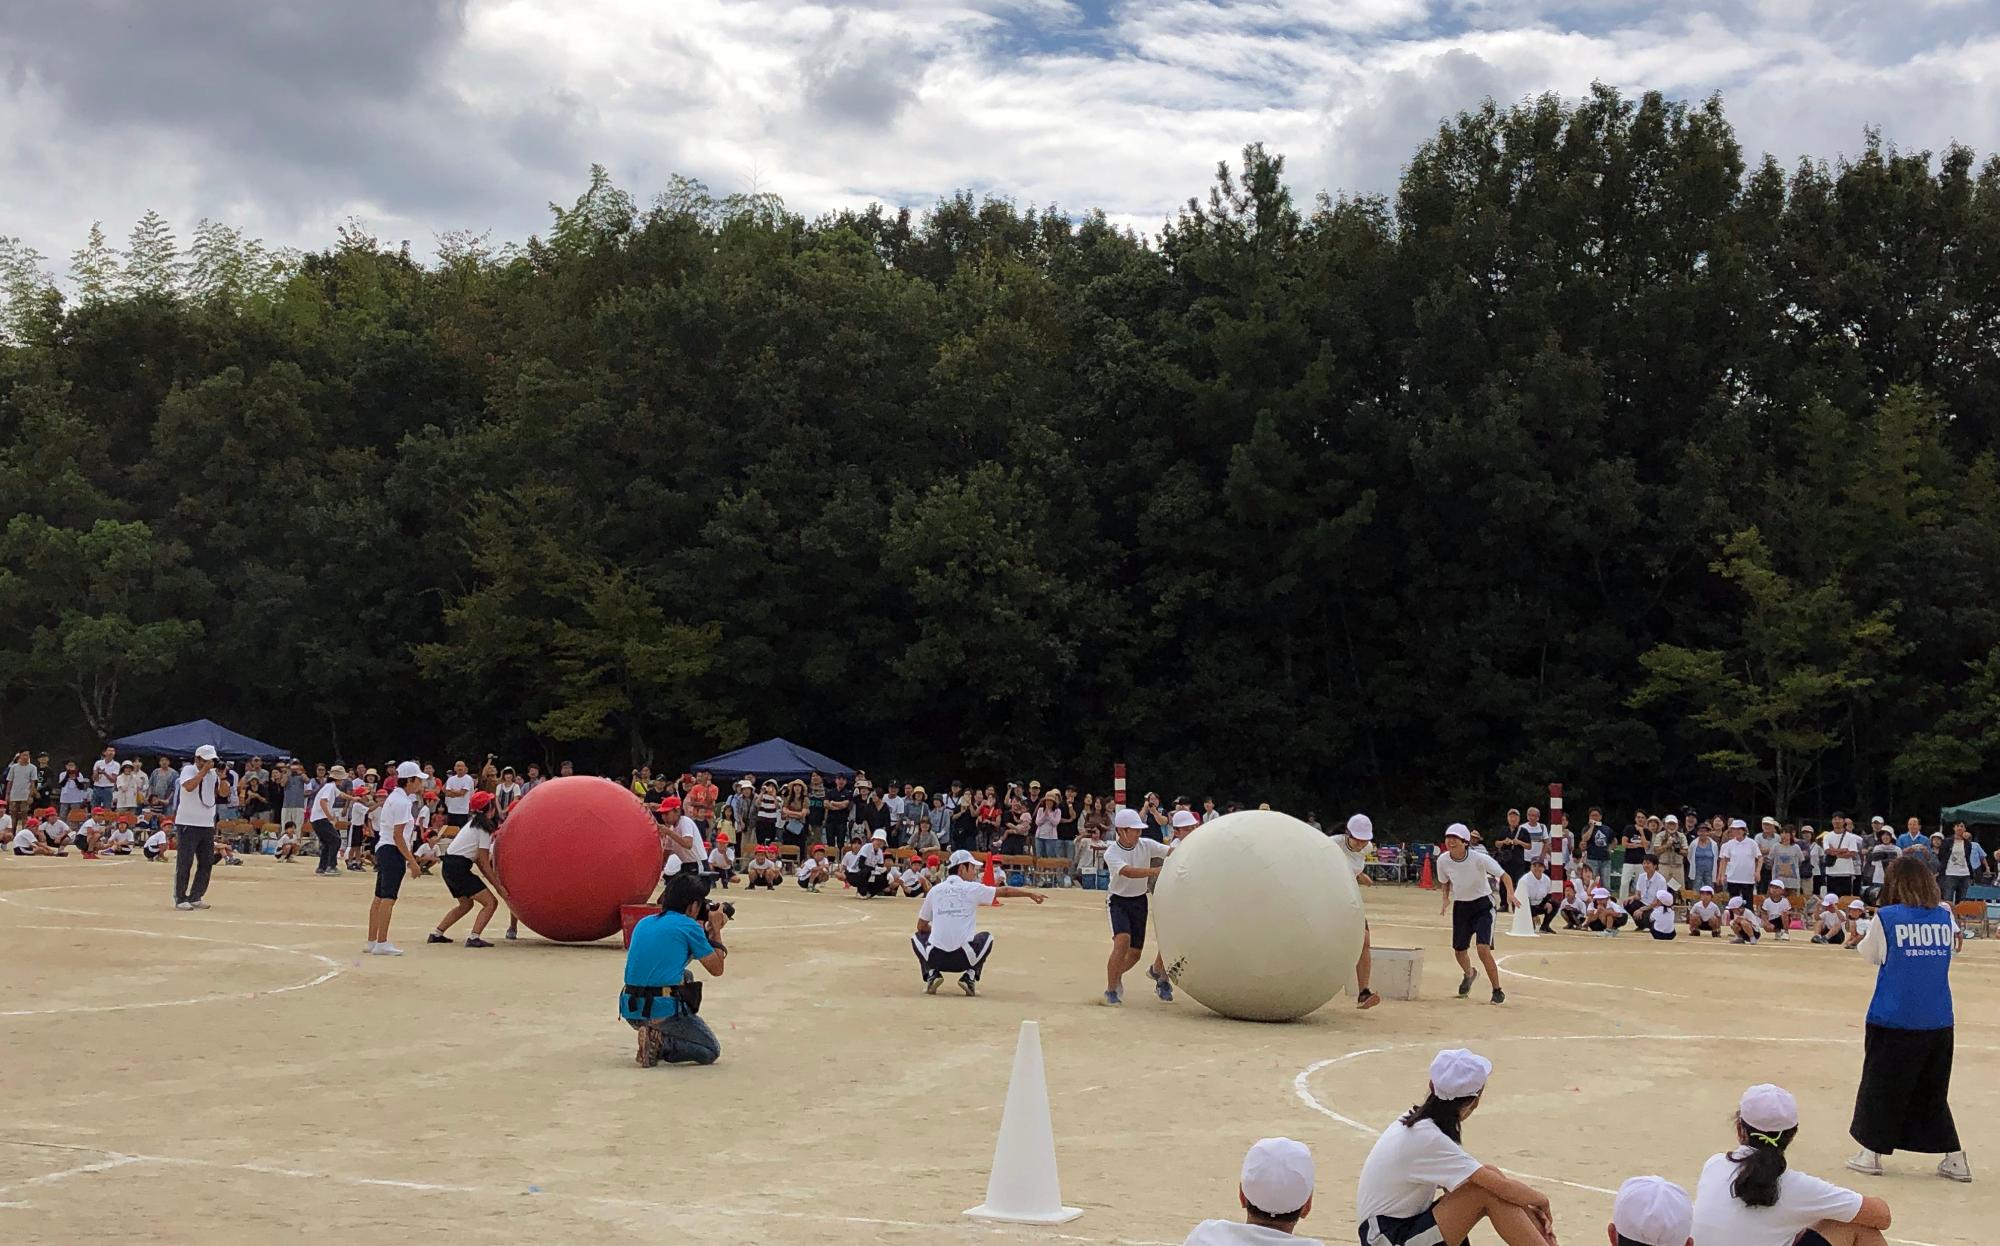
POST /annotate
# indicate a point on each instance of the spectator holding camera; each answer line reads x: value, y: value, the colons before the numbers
x: 203, y: 789
x: 661, y: 999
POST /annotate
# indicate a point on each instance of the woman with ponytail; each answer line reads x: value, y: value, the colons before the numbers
x: 1419, y: 1187
x: 1749, y: 1197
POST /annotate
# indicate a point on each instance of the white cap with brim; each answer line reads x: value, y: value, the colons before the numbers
x: 1600, y: 893
x: 1664, y: 897
x: 1768, y: 1108
x: 1707, y: 890
x: 1857, y: 906
x: 1360, y: 827
x: 1128, y: 819
x: 1278, y: 1176
x: 1457, y: 831
x: 1673, y: 819
x: 206, y: 752
x: 959, y: 858
x: 1653, y: 1211
x: 1183, y: 819
x: 880, y: 836
x: 1776, y: 882
x: 1736, y: 902
x: 1459, y: 1074
x: 1738, y: 824
x: 409, y: 770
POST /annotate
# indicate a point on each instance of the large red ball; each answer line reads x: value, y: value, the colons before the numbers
x: 572, y: 851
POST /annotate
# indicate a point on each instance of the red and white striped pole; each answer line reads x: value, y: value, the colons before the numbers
x: 1118, y: 782
x: 1557, y: 824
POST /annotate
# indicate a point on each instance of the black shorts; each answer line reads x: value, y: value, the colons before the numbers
x: 388, y: 872
x: 1128, y: 917
x: 1840, y: 884
x: 457, y: 819
x: 1747, y: 891
x: 460, y: 879
x: 324, y: 826
x: 1418, y: 1230
x: 1471, y: 919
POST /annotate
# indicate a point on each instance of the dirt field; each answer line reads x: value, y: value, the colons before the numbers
x: 241, y: 1075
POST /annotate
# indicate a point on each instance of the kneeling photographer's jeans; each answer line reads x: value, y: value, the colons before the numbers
x: 685, y: 1039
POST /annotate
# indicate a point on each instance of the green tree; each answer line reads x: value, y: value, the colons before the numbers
x: 93, y: 267
x: 153, y: 262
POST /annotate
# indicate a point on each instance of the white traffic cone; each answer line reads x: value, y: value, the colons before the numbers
x: 1524, y: 922
x: 1022, y: 1187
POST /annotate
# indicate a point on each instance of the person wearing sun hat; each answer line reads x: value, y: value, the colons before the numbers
x: 1275, y: 1188
x: 1465, y: 878
x: 1354, y: 843
x: 1420, y: 1187
x: 1748, y: 1196
x: 1651, y: 1211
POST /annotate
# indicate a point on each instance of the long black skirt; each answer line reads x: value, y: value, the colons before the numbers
x: 1905, y: 1082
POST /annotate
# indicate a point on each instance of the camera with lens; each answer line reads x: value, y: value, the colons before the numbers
x: 728, y: 909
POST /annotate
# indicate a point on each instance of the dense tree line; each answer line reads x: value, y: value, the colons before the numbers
x: 1595, y: 454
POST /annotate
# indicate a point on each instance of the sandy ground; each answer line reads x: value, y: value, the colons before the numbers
x: 241, y: 1074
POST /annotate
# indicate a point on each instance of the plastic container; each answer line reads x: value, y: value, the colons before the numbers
x: 629, y: 915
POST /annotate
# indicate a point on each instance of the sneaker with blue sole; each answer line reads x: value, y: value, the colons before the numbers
x: 1112, y: 999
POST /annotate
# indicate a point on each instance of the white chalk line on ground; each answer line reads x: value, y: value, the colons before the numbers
x: 333, y: 970
x: 1501, y: 963
x: 1302, y: 1088
x: 120, y: 1159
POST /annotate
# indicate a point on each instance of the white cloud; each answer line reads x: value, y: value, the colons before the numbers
x: 478, y: 113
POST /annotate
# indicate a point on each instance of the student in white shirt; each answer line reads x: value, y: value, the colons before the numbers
x: 1419, y: 1186
x: 1605, y: 916
x: 1829, y: 926
x: 1133, y: 863
x: 1354, y: 850
x: 1575, y: 910
x: 815, y: 871
x: 1276, y: 1190
x: 120, y: 841
x: 1538, y: 893
x: 948, y: 938
x: 1776, y: 910
x: 1660, y: 919
x: 722, y: 860
x: 910, y: 881
x: 395, y: 855
x: 156, y: 845
x: 28, y: 842
x: 288, y: 842
x: 1856, y: 926
x: 1466, y: 879
x: 468, y: 871
x: 1743, y: 924
x: 1747, y: 1196
x: 360, y: 855
x: 755, y: 874
x: 870, y: 876
x: 1704, y: 915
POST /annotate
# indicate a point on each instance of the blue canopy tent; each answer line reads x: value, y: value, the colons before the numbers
x: 182, y: 739
x: 775, y: 758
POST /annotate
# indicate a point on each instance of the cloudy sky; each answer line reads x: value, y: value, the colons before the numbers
x: 419, y: 116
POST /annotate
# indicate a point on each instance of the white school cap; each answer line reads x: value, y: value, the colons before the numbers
x: 1277, y: 1175
x: 1457, y: 831
x: 1183, y: 817
x: 1128, y: 817
x: 1778, y: 883
x: 206, y: 752
x: 1359, y: 827
x: 1653, y: 1210
x: 1769, y: 1108
x: 961, y: 857
x: 409, y: 770
x: 1707, y: 890
x: 1735, y: 823
x: 881, y: 835
x: 1673, y: 819
x: 1856, y: 904
x: 1829, y: 898
x: 1459, y: 1074
x: 1664, y: 897
x: 1736, y: 902
x: 1600, y: 893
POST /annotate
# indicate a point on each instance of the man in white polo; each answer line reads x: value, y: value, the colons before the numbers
x: 948, y: 938
x: 203, y: 788
x: 1276, y: 1190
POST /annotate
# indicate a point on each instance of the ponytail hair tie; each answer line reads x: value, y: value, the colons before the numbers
x: 1769, y: 1140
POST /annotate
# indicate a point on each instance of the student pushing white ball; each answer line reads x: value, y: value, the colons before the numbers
x: 1258, y: 917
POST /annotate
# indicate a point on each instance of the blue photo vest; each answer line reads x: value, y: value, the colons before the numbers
x: 1913, y: 986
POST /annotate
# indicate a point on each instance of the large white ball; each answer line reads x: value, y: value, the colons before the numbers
x: 1259, y: 916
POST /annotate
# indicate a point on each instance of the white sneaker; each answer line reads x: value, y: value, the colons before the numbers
x: 1956, y: 1167
x: 184, y: 906
x: 387, y: 949
x: 1866, y: 1161
x: 197, y: 904
x: 368, y: 949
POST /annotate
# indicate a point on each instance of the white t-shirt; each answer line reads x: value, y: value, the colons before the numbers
x: 358, y: 811
x: 395, y: 811
x: 1739, y: 860
x: 1721, y: 1219
x: 130, y: 784
x: 910, y: 879
x: 690, y: 856
x: 1356, y: 856
x: 1831, y: 922
x: 1704, y: 911
x: 720, y: 858
x: 871, y: 856
x: 1776, y: 913
x: 322, y: 803
x: 470, y: 839
x: 122, y: 837
x: 1957, y: 863
x: 1645, y: 885
x: 952, y: 909
x: 1842, y: 867
x: 103, y: 773
x: 1468, y: 879
x: 197, y: 808
x: 1663, y: 919
x: 1407, y: 1167
x: 1237, y: 1233
x: 1537, y: 836
x: 850, y: 862
x: 806, y: 868
x: 1531, y: 891
x: 6, y: 825
x: 458, y: 793
x: 156, y: 842
x: 25, y: 838
x: 1143, y: 855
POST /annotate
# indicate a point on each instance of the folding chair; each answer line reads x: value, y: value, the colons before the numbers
x: 1974, y: 913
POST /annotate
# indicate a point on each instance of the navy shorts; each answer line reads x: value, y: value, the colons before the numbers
x: 460, y: 879
x: 1418, y: 1230
x: 388, y: 872
x: 1471, y: 919
x: 1128, y: 917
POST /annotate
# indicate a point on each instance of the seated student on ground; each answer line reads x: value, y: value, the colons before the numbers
x: 1649, y: 881
x: 55, y: 831
x: 91, y: 832
x: 1420, y: 1187
x: 933, y: 871
x: 1742, y: 921
x: 426, y: 852
x: 1535, y: 891
x: 1829, y: 925
x: 1651, y: 1211
x: 850, y: 861
x: 157, y: 844
x: 814, y: 871
x: 28, y: 841
x: 764, y: 869
x: 1775, y: 910
x: 661, y: 997
x: 722, y: 860
x: 119, y: 842
x: 1276, y: 1190
x: 1575, y: 908
x: 1660, y: 919
x: 1605, y: 916
x: 1857, y: 923
x: 1705, y: 915
x: 288, y: 842
x: 871, y: 877
x: 1747, y: 1196
x: 910, y: 879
